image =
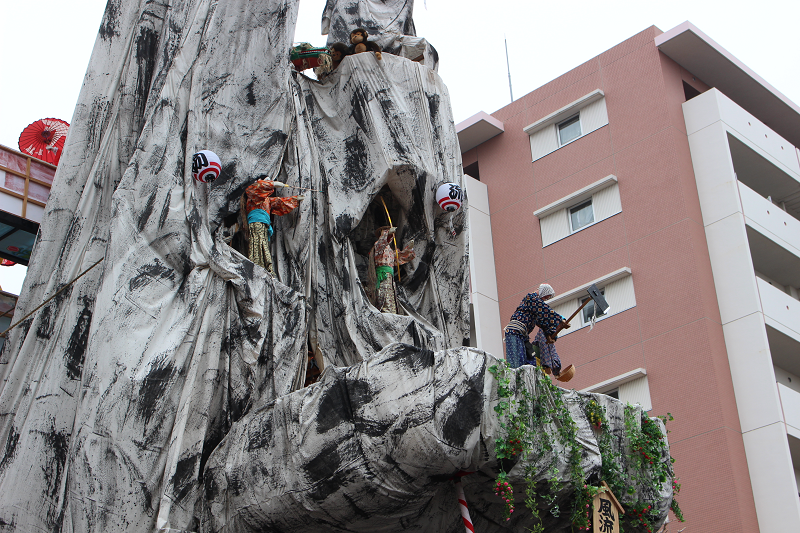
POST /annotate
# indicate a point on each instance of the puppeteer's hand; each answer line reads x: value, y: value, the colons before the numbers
x: 550, y: 340
x: 565, y: 325
x: 392, y: 230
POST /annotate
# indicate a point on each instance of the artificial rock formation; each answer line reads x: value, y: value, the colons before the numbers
x: 388, y: 22
x: 124, y: 402
x: 374, y: 448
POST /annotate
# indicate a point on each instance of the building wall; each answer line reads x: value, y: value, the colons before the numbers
x: 674, y: 331
x: 750, y: 304
x: 484, y: 308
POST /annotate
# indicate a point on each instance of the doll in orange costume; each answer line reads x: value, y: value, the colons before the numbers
x: 260, y: 207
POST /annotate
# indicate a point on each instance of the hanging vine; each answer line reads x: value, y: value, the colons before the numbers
x: 525, y: 418
x: 522, y: 419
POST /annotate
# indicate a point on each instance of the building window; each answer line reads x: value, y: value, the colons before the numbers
x: 631, y: 388
x: 569, y: 130
x: 581, y: 216
x: 581, y: 209
x: 616, y: 287
x: 573, y: 121
x: 473, y: 171
x: 588, y: 310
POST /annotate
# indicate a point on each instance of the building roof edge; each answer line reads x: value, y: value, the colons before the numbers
x: 699, y: 54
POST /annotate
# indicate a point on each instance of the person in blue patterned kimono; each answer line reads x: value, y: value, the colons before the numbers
x: 532, y: 312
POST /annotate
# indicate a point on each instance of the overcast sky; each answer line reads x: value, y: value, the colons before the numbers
x: 46, y: 45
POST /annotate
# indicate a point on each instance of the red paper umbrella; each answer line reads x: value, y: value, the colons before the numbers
x: 44, y: 139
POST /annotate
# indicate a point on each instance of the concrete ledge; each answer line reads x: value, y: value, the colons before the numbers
x: 562, y: 113
x: 615, y: 382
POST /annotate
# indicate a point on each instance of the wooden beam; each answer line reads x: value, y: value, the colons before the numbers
x: 21, y: 175
x: 27, y: 184
x: 15, y: 194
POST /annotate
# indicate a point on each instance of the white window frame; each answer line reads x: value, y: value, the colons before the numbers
x: 572, y: 228
x: 567, y: 302
x: 544, y: 133
x: 577, y: 119
x: 555, y: 221
x: 585, y: 322
x: 631, y: 387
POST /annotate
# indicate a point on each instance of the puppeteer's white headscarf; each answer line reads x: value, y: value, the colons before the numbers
x: 546, y: 290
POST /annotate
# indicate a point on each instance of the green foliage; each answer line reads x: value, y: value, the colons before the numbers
x: 522, y: 419
x: 595, y: 413
x: 532, y: 421
x: 647, y: 469
x: 506, y: 492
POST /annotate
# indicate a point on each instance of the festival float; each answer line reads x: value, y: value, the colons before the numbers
x: 177, y: 382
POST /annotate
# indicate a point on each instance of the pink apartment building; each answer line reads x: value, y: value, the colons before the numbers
x: 666, y: 172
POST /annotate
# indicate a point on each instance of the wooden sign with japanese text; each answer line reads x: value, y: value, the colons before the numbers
x: 607, y: 511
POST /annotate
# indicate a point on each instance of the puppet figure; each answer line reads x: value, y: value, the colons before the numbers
x: 360, y: 43
x: 338, y: 52
x: 260, y: 207
x: 547, y: 355
x: 532, y: 312
x: 383, y: 259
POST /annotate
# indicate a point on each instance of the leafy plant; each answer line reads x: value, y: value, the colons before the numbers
x: 533, y: 422
x: 595, y: 413
x: 506, y: 492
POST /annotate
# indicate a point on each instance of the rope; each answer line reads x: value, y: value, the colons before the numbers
x: 53, y: 296
x: 279, y: 184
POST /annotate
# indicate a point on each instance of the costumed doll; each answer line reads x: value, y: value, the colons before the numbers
x: 360, y: 43
x: 338, y: 52
x: 547, y: 355
x: 260, y: 207
x: 381, y: 269
x: 532, y: 312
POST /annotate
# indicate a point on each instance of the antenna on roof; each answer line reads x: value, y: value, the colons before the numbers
x: 510, y: 92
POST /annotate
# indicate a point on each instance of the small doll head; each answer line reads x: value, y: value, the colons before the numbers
x: 358, y: 35
x: 338, y: 51
x: 381, y: 230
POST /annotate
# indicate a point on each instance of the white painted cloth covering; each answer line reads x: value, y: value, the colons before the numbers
x: 114, y: 394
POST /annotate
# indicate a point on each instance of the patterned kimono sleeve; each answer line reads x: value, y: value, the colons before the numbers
x: 282, y: 206
x: 258, y: 195
x: 540, y: 340
x: 546, y: 318
x: 407, y: 255
x: 547, y: 353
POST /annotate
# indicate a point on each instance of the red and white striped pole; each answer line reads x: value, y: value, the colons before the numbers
x: 462, y: 504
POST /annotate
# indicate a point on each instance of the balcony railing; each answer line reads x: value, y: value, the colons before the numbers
x: 771, y: 217
x: 779, y: 306
x: 790, y: 401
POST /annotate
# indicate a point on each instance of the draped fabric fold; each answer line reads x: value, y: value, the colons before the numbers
x: 115, y: 394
